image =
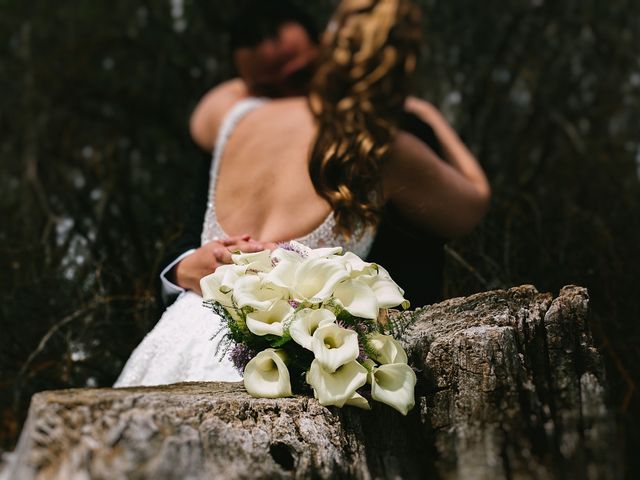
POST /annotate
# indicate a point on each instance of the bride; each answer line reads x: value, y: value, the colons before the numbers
x: 317, y: 169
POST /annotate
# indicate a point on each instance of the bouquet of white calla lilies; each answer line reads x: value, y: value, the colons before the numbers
x: 299, y: 317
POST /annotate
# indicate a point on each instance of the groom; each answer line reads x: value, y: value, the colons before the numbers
x: 275, y: 46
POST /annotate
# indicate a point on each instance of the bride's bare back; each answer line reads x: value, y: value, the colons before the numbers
x: 263, y: 187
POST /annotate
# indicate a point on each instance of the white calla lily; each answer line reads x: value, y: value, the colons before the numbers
x: 256, y: 261
x: 251, y: 291
x: 316, y: 279
x: 357, y: 298
x: 306, y: 322
x: 333, y: 346
x: 336, y: 388
x: 270, y: 322
x: 210, y: 286
x: 267, y: 376
x: 359, y: 401
x: 217, y: 285
x: 283, y: 274
x: 387, y: 292
x: 230, y: 275
x: 388, y: 349
x: 394, y: 385
x: 356, y: 266
x: 280, y: 254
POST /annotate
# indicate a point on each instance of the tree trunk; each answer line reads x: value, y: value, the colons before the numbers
x: 510, y: 386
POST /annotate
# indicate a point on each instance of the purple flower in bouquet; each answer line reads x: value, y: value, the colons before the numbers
x: 240, y: 356
x: 362, y: 354
x: 294, y: 303
x: 293, y: 247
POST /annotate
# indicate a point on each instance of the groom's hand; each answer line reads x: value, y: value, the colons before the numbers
x: 209, y: 256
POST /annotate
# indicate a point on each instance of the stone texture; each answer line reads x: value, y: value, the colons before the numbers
x: 510, y: 387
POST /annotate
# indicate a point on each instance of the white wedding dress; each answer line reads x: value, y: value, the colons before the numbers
x: 182, y: 346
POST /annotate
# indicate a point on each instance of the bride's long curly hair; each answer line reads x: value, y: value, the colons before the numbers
x: 357, y: 95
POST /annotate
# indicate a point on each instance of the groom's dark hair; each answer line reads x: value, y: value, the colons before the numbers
x: 258, y: 20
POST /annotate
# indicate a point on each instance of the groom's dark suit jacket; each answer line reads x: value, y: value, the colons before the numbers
x: 413, y: 257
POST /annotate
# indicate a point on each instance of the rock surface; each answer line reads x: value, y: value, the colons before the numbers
x: 510, y: 387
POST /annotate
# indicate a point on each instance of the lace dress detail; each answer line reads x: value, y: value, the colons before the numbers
x: 322, y: 236
x: 187, y: 343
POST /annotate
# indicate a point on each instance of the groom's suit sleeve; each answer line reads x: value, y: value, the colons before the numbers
x: 189, y: 240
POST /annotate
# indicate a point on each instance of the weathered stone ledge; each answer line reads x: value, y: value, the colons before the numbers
x: 511, y: 386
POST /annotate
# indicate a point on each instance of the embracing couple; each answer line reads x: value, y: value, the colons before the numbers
x: 317, y: 141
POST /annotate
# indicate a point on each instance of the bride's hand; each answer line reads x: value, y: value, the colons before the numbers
x: 209, y: 256
x: 232, y: 245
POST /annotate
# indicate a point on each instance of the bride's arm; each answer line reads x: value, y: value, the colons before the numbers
x: 455, y: 151
x: 447, y: 198
x: 211, y: 109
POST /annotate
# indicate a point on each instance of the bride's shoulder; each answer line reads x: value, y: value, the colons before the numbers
x: 211, y: 110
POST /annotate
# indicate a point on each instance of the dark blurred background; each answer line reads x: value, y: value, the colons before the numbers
x: 94, y: 104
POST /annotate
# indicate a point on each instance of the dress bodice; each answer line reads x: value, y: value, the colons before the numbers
x: 323, y: 235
